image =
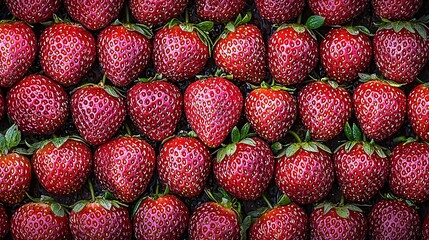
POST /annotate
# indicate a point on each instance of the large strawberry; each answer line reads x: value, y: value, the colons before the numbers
x: 337, y: 12
x: 154, y: 12
x: 279, y: 11
x: 396, y: 9
x: 418, y: 111
x: 213, y: 107
x: 19, y: 47
x: 4, y: 223
x: 219, y: 11
x: 38, y: 105
x: 155, y: 107
x: 94, y: 14
x: 33, y: 11
x: 67, y: 52
x: 2, y: 104
x: 240, y: 51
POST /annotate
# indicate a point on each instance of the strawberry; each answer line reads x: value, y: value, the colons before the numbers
x: 124, y: 166
x: 219, y: 11
x: 94, y: 14
x: 213, y: 107
x: 271, y: 111
x: 324, y: 108
x: 417, y: 110
x: 396, y: 9
x: 2, y: 104
x: 155, y: 107
x: 337, y: 12
x: 184, y: 165
x: 124, y: 52
x: 345, y: 52
x: 240, y: 51
x: 4, y: 223
x: 19, y: 47
x: 425, y: 228
x: 380, y: 107
x: 403, y: 62
x: 38, y: 105
x: 279, y: 11
x: 67, y: 52
x: 33, y: 11
x: 154, y: 12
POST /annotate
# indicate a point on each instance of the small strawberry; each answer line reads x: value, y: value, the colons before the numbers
x: 425, y: 228
x: 396, y: 9
x: 33, y: 11
x: 418, y: 111
x: 2, y: 104
x: 337, y: 12
x: 37, y: 105
x: 154, y: 12
x: 213, y: 107
x: 67, y: 52
x: 219, y: 11
x: 155, y: 107
x: 18, y: 51
x: 241, y: 51
x: 280, y: 11
x: 4, y: 223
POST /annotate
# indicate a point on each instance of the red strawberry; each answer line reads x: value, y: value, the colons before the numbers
x: 4, y: 223
x: 396, y: 9
x: 219, y: 11
x: 161, y: 217
x: 33, y: 11
x: 97, y: 112
x: 280, y: 11
x: 124, y: 166
x: 213, y: 107
x: 94, y: 14
x: 184, y: 165
x: 399, y: 54
x: 418, y: 111
x: 425, y: 228
x: 2, y: 105
x: 155, y: 108
x: 67, y: 52
x: 345, y: 52
x: 124, y: 52
x: 38, y: 105
x: 240, y: 51
x: 19, y: 47
x: 271, y: 111
x: 337, y: 12
x: 154, y: 12
x: 324, y: 108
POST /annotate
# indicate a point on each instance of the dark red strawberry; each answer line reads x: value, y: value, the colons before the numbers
x: 425, y: 228
x: 155, y: 108
x: 184, y: 165
x: 38, y: 105
x: 67, y: 52
x: 154, y: 12
x: 279, y: 11
x: 345, y: 52
x: 418, y: 111
x: 94, y: 14
x: 324, y: 108
x: 4, y: 223
x: 2, y: 104
x: 213, y: 107
x: 396, y: 9
x: 19, y: 47
x: 124, y: 52
x: 337, y: 12
x: 124, y: 166
x: 219, y: 11
x: 241, y: 51
x: 33, y: 11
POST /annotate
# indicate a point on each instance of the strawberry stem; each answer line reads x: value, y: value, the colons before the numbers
x: 127, y: 13
x: 127, y: 128
x: 295, y: 135
x: 299, y: 19
x: 267, y: 201
x: 91, y: 190
x: 186, y: 16
x: 103, y: 80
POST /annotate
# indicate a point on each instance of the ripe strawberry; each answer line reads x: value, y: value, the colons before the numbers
x: 184, y: 165
x: 396, y: 9
x: 97, y: 112
x: 324, y: 108
x: 345, y: 52
x: 154, y: 12
x: 37, y: 105
x: 19, y: 47
x: 271, y: 111
x: 67, y: 52
x: 393, y: 219
x: 240, y: 51
x: 279, y: 11
x: 155, y: 108
x: 94, y: 14
x: 417, y: 111
x: 213, y: 107
x: 2, y: 105
x: 124, y: 52
x: 33, y: 11
x: 124, y: 166
x: 337, y: 12
x: 425, y: 228
x: 379, y: 107
x: 403, y: 62
x: 162, y: 217
x: 219, y: 11
x: 4, y: 223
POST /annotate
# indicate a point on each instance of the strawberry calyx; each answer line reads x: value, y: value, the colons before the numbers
x: 157, y: 77
x: 111, y: 90
x: 355, y: 30
x: 57, y: 208
x: 290, y: 149
x: 413, y: 26
x: 9, y: 140
x: 57, y: 141
x: 137, y: 27
x: 313, y: 22
x: 273, y: 85
x: 374, y: 77
x: 342, y: 210
x: 240, y: 20
x: 218, y: 73
x: 152, y: 196
x: 282, y: 200
x: 182, y: 133
x: 237, y: 136
x: 391, y: 196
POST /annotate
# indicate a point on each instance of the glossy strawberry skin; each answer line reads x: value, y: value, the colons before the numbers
x: 164, y: 218
x: 219, y: 11
x: 324, y: 110
x: 155, y: 108
x: 67, y: 52
x: 213, y: 107
x: 2, y: 104
x: 33, y: 11
x: 418, y: 111
x: 4, y: 223
x: 15, y: 177
x: 154, y: 12
x: 344, y: 55
x: 400, y: 56
x: 123, y: 54
x: 124, y: 166
x: 17, y: 54
x: 291, y: 55
x: 337, y: 12
x: 38, y: 105
x: 396, y: 9
x: 184, y: 165
x: 284, y: 222
x: 279, y: 11
x: 97, y: 114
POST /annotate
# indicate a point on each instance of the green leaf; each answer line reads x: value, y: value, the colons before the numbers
x: 247, y: 221
x: 315, y: 22
x: 58, y: 142
x: 3, y: 148
x: 421, y: 31
x: 106, y: 204
x: 292, y: 149
x: 230, y: 149
x: 246, y: 18
x: 136, y: 206
x: 311, y: 147
x: 12, y: 136
x: 221, y: 154
x: 57, y: 209
x: 353, y: 31
x: 327, y: 207
x: 235, y: 135
x: 299, y: 28
x: 275, y: 147
x: 248, y: 141
x: 284, y: 200
x: 79, y: 206
x: 397, y: 27
x: 368, y: 149
x: 357, y: 135
x: 343, y: 212
x: 365, y: 30
x: 244, y: 130
x: 323, y: 147
x: 353, y: 208
x: 348, y: 131
x: 258, y: 212
x: 230, y: 27
x: 111, y: 91
x: 205, y: 26
x: 349, y: 146
x: 379, y: 151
